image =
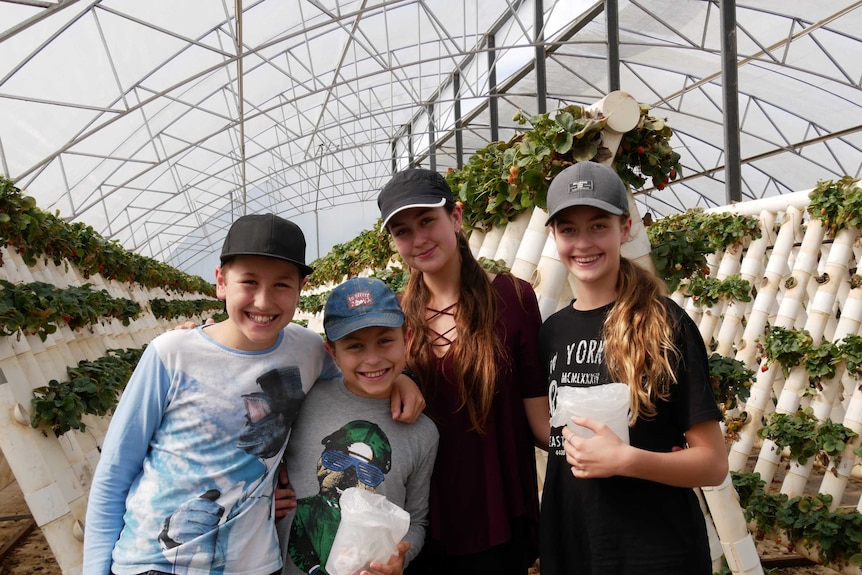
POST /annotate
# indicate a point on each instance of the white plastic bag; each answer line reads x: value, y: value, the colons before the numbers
x: 607, y: 403
x: 371, y: 528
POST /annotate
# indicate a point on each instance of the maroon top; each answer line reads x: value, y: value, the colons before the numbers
x: 483, y: 486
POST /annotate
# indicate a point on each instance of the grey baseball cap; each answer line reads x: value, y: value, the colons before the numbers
x: 587, y: 184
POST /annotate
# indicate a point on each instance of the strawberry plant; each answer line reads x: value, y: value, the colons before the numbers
x: 93, y: 388
x: 851, y: 351
x: 805, y: 520
x: 681, y: 242
x: 821, y: 362
x: 38, y: 308
x: 706, y: 291
x: 503, y: 179
x: 371, y: 249
x: 173, y: 309
x: 731, y: 381
x: 837, y: 204
x: 313, y: 303
x: 395, y: 278
x: 787, y: 347
x: 797, y: 431
x: 645, y: 153
x: 806, y: 436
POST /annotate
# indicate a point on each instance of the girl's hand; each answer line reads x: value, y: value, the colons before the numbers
x: 395, y: 566
x: 602, y: 455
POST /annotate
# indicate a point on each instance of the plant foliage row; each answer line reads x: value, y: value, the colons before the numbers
x: 180, y: 308
x: 36, y: 234
x: 93, y: 388
x: 806, y: 521
x: 39, y: 308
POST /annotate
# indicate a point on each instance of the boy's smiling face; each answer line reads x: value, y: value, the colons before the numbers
x: 370, y: 359
x: 261, y: 294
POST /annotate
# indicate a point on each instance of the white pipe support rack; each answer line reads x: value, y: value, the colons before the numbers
x: 490, y: 243
x: 475, y: 241
x: 736, y: 541
x: 530, y: 251
x: 513, y: 233
x: 549, y: 278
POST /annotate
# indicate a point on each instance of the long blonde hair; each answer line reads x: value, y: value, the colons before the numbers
x: 639, y: 340
x: 475, y: 352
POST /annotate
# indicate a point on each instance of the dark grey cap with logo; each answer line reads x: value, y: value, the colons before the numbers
x: 587, y: 184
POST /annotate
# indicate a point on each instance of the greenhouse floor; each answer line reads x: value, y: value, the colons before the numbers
x: 24, y: 551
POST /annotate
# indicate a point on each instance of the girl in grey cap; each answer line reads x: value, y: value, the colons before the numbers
x: 475, y: 351
x: 610, y: 507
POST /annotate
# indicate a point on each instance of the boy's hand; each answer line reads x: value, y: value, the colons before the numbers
x: 406, y: 401
x: 395, y: 566
x: 285, y: 497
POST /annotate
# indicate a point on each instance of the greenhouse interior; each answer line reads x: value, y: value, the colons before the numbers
x: 134, y: 134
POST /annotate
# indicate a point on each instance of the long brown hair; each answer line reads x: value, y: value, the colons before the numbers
x: 474, y: 351
x: 639, y: 339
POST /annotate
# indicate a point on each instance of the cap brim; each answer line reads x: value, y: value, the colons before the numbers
x: 304, y: 270
x: 413, y: 204
x: 593, y: 202
x: 345, y: 327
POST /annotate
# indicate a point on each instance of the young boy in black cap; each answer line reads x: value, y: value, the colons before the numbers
x: 185, y: 479
x: 344, y: 436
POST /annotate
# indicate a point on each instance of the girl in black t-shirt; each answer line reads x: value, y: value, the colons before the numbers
x: 610, y: 507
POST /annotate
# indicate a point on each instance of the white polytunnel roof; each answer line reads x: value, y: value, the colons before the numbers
x: 160, y: 122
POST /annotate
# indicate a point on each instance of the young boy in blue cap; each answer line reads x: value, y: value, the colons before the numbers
x: 344, y: 436
x: 185, y: 479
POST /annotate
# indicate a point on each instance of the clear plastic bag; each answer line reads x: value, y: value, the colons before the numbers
x: 371, y: 528
x: 607, y: 403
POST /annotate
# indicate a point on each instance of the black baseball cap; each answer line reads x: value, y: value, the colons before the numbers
x: 266, y: 235
x: 413, y: 188
x: 587, y: 184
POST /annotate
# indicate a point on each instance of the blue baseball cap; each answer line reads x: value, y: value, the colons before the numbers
x: 359, y: 303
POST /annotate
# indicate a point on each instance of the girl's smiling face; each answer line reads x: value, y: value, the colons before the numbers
x: 588, y: 241
x: 426, y: 238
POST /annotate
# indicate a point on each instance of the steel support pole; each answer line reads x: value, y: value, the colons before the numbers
x: 541, y: 76
x: 410, y: 157
x: 432, y: 150
x: 459, y: 137
x: 492, y: 89
x: 730, y: 96
x: 612, y: 17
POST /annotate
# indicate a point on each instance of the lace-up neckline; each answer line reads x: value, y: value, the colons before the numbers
x: 443, y: 319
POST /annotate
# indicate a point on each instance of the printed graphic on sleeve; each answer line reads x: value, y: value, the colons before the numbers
x: 355, y: 455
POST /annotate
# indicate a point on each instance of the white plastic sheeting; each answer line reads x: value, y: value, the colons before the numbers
x: 159, y: 122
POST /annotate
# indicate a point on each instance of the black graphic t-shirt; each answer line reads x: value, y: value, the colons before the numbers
x: 622, y: 525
